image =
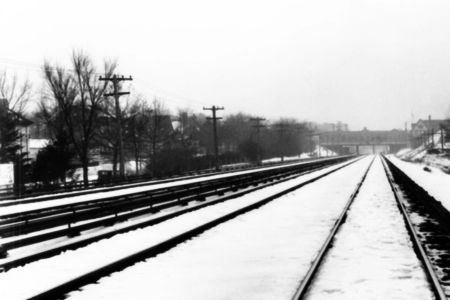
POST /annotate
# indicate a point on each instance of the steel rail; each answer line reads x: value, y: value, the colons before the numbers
x: 37, y: 197
x: 418, y: 247
x: 312, y: 271
x: 56, y: 194
x: 6, y: 194
x: 85, y: 210
x: 184, y: 186
x: 134, y: 210
x: 15, y: 262
x: 77, y: 229
x: 60, y: 290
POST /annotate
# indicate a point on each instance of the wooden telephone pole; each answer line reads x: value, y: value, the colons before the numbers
x: 216, y: 145
x: 258, y: 127
x: 281, y: 128
x: 116, y: 94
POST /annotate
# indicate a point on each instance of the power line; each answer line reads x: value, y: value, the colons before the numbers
x: 156, y: 91
x: 170, y: 96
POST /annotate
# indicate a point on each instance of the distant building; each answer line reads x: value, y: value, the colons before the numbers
x: 34, y: 146
x: 330, y: 127
x: 426, y: 127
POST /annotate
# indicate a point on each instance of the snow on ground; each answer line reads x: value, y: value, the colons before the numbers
x: 403, y: 152
x: 436, y: 182
x: 6, y: 174
x: 260, y: 255
x: 100, y: 195
x: 421, y: 155
x: 430, y: 156
x: 372, y: 256
x: 46, y: 273
x: 130, y: 168
x: 285, y: 158
x: 236, y: 165
x: 318, y: 152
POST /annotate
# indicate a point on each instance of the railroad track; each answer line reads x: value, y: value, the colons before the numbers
x: 94, y: 187
x: 32, y: 198
x: 63, y: 288
x: 429, y: 233
x: 307, y: 280
x: 429, y: 229
x: 73, y: 219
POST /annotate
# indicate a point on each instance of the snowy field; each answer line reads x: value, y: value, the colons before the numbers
x: 260, y: 255
x: 421, y: 154
x: 6, y: 174
x: 100, y: 195
x: 436, y: 182
x: 46, y: 273
x: 372, y: 255
x: 318, y: 152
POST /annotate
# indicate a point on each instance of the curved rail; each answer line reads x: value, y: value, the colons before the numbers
x: 307, y: 280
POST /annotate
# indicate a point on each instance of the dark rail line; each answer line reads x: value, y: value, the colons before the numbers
x: 431, y: 236
x: 27, y: 221
x: 94, y: 186
x: 312, y: 271
x: 61, y: 290
x: 127, y: 210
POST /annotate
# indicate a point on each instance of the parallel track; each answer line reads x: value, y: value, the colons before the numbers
x: 60, y: 290
x: 309, y: 277
x: 420, y: 240
x: 233, y: 191
x: 95, y: 187
x: 61, y: 214
x: 430, y: 237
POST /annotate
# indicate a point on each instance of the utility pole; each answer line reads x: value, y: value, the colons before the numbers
x: 116, y: 94
x: 281, y: 128
x: 155, y: 132
x: 258, y: 126
x: 318, y: 145
x: 214, y: 119
x: 431, y: 133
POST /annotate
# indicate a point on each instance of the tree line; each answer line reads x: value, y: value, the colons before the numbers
x: 81, y: 124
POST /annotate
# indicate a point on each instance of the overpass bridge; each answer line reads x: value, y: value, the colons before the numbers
x: 364, y: 141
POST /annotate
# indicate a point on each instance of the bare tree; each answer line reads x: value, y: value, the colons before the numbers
x: 158, y: 135
x: 17, y: 95
x: 14, y: 98
x: 137, y: 119
x: 78, y: 96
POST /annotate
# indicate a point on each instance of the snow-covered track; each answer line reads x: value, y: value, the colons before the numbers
x: 428, y: 224
x: 309, y: 277
x: 58, y: 291
x: 127, y: 209
x: 94, y: 187
x: 47, y: 216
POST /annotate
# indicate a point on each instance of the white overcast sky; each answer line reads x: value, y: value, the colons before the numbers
x: 367, y: 63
